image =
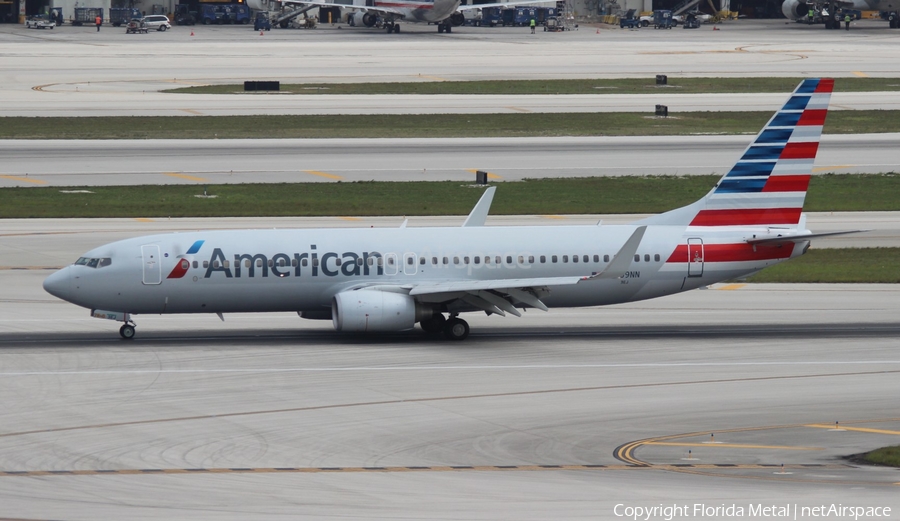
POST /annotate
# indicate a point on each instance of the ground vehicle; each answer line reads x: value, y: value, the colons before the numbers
x: 184, y: 16
x: 135, y: 26
x: 262, y: 22
x: 87, y: 15
x: 701, y: 18
x: 553, y: 24
x: 691, y: 22
x: 224, y: 14
x: 122, y: 15
x: 630, y: 20
x: 40, y: 21
x: 156, y: 21
x: 662, y: 19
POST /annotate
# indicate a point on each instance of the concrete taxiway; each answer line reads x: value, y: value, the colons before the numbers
x: 73, y: 72
x: 694, y: 399
x: 140, y: 162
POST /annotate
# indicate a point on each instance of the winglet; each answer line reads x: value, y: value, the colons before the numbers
x: 479, y: 213
x: 622, y: 259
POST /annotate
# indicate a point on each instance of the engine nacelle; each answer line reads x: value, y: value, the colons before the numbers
x: 795, y: 9
x: 358, y: 18
x: 457, y: 19
x: 372, y: 310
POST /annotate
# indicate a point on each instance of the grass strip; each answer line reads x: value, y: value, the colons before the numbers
x: 596, y: 195
x: 889, y: 456
x: 426, y: 125
x: 839, y: 265
x: 575, y: 86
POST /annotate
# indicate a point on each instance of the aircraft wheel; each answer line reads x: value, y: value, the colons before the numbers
x: 389, y: 29
x: 440, y: 28
x: 433, y: 325
x: 456, y: 329
x: 449, y: 28
x: 127, y: 331
x: 396, y: 28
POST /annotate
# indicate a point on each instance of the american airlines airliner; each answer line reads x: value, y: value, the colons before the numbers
x: 378, y: 280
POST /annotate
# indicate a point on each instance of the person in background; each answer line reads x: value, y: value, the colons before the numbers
x: 847, y: 21
x: 99, y: 22
x: 532, y: 25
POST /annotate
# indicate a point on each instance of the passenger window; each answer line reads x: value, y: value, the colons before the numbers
x: 637, y: 258
x: 281, y: 263
x: 195, y: 264
x: 316, y: 262
x: 646, y: 257
x: 370, y: 261
x: 446, y: 260
x: 359, y: 261
x: 606, y: 258
x: 455, y: 260
x: 521, y: 259
x: 585, y: 258
x: 553, y: 259
x: 259, y: 263
x: 216, y: 264
x: 270, y: 263
x: 381, y: 261
x: 409, y: 261
x: 227, y: 264
x: 206, y: 264
x: 497, y: 259
x: 422, y: 261
x: 565, y: 258
x: 543, y: 259
x: 305, y: 262
x: 185, y: 264
x: 574, y: 258
x: 656, y: 257
x: 531, y: 259
x: 434, y: 261
x: 390, y: 261
x: 465, y: 260
x: 596, y: 258
x: 477, y: 259
x: 338, y: 261
x: 294, y: 262
x: 509, y: 259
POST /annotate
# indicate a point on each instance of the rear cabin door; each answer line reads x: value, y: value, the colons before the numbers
x: 152, y: 265
x: 695, y: 257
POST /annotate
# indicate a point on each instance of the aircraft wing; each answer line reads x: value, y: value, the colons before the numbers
x: 799, y: 238
x: 500, y: 4
x: 317, y: 3
x: 493, y: 296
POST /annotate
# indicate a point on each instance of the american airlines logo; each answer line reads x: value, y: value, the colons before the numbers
x: 182, y: 266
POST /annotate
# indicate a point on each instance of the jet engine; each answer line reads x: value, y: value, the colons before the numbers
x: 358, y: 18
x: 457, y: 19
x: 794, y: 9
x: 372, y: 310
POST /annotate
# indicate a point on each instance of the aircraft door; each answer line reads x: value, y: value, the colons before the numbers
x: 390, y: 263
x: 410, y: 263
x: 151, y: 263
x: 695, y: 257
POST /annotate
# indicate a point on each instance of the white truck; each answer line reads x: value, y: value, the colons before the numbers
x: 40, y: 21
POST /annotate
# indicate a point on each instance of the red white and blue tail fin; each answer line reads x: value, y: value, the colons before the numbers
x: 767, y: 186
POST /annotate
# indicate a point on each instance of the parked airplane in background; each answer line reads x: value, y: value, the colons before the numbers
x: 830, y: 10
x: 377, y: 279
x: 444, y: 13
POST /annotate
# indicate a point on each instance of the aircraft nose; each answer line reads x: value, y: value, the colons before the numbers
x: 60, y: 284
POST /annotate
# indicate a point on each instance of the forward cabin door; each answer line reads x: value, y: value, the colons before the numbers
x: 695, y: 257
x: 152, y: 265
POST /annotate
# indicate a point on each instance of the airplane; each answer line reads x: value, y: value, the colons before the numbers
x: 830, y: 10
x: 388, y: 279
x: 445, y: 13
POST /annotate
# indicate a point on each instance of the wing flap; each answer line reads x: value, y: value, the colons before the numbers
x: 470, y: 286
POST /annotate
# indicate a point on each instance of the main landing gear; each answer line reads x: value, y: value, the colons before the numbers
x: 445, y: 27
x: 127, y: 331
x: 454, y: 328
x: 392, y: 27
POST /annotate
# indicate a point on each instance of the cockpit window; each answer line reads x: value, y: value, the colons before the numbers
x: 94, y: 262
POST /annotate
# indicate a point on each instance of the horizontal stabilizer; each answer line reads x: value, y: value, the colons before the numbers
x: 800, y: 238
